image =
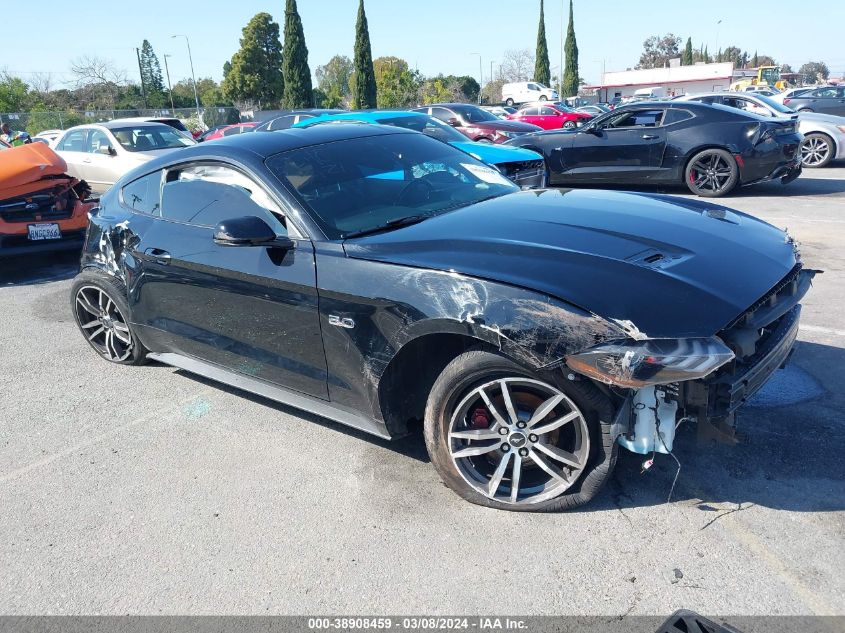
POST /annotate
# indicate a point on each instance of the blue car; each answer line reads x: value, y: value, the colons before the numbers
x: 523, y: 167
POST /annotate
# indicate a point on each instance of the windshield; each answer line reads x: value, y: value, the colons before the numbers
x: 770, y: 75
x: 774, y: 105
x: 360, y: 184
x: 146, y: 138
x: 429, y: 126
x: 472, y: 114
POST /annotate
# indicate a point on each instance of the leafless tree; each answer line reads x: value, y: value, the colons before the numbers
x: 95, y: 76
x: 517, y: 65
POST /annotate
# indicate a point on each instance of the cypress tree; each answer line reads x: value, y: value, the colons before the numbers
x: 706, y: 55
x: 542, y: 73
x: 254, y: 75
x: 570, y: 76
x: 755, y: 61
x: 364, y: 88
x: 297, y: 75
x: 686, y: 58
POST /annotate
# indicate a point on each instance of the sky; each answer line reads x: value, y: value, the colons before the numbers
x: 434, y: 36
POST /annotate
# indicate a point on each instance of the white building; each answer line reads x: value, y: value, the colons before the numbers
x: 675, y: 80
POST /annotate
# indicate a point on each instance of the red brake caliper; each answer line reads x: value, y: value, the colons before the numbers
x: 480, y: 418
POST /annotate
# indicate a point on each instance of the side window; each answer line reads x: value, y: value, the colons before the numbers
x: 232, y: 130
x: 674, y: 115
x: 97, y: 140
x: 533, y: 87
x: 442, y: 113
x: 73, y: 141
x: 825, y: 92
x: 548, y: 112
x: 144, y: 195
x: 205, y: 195
x: 639, y: 118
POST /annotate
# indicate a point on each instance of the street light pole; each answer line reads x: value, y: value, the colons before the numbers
x: 193, y: 77
x: 169, y: 87
x: 560, y: 85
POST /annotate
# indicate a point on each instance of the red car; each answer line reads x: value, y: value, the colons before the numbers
x: 550, y: 117
x: 476, y: 124
x: 229, y: 130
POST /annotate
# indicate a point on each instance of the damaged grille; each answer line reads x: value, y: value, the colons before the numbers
x: 527, y: 174
x: 51, y: 204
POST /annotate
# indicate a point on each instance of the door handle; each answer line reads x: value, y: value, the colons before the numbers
x: 157, y: 255
x: 649, y: 137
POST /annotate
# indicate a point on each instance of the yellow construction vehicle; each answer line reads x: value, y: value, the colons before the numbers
x: 766, y: 76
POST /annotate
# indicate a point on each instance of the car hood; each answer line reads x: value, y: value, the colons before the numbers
x: 495, y: 154
x: 506, y: 126
x: 673, y: 267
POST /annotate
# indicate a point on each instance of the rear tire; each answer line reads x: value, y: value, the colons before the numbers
x: 711, y: 173
x: 559, y: 466
x: 543, y: 98
x: 806, y: 110
x: 817, y: 150
x: 98, y: 303
x: 509, y: 103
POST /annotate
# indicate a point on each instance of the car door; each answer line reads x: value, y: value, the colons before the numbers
x: 71, y: 147
x: 829, y: 100
x: 624, y: 148
x: 100, y: 160
x: 550, y: 119
x: 251, y: 309
x: 529, y: 115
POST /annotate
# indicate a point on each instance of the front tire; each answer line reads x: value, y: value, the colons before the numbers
x: 817, y: 150
x: 711, y: 173
x: 543, y: 98
x: 503, y: 437
x: 101, y: 312
x: 569, y: 125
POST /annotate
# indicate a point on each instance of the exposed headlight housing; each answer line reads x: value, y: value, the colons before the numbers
x: 841, y: 128
x: 638, y: 364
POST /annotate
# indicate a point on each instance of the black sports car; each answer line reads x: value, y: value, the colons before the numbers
x: 379, y: 277
x: 712, y: 149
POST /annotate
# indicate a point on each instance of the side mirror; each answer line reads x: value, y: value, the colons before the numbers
x: 108, y: 150
x: 454, y: 122
x: 249, y: 231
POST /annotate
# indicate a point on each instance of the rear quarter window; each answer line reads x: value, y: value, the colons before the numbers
x: 676, y: 116
x: 144, y: 195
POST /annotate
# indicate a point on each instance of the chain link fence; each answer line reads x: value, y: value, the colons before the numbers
x: 35, y: 122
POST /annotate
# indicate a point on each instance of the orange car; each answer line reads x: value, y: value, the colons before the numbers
x: 41, y: 207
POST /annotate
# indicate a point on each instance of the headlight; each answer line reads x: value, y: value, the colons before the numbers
x: 638, y: 364
x: 841, y: 128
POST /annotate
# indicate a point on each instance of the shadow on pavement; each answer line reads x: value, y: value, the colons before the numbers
x: 28, y: 270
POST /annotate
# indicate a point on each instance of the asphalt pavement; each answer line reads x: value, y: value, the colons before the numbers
x: 150, y: 491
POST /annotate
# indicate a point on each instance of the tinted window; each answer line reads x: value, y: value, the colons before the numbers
x: 282, y: 122
x: 442, y: 113
x: 73, y: 141
x: 825, y: 92
x: 427, y: 125
x: 675, y: 116
x: 363, y: 183
x: 528, y: 112
x: 549, y: 112
x: 474, y: 114
x: 144, y: 195
x: 638, y: 118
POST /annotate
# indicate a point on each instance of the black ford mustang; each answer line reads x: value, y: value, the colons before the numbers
x: 378, y: 277
x: 711, y: 149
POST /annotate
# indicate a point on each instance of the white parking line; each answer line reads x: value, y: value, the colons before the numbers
x: 822, y: 330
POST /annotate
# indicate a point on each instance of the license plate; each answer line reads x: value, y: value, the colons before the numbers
x: 44, y: 232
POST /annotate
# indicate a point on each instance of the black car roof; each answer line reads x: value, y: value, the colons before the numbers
x: 269, y: 143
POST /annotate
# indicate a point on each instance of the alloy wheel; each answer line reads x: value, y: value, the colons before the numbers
x: 710, y: 172
x: 103, y: 324
x: 814, y: 151
x: 518, y: 441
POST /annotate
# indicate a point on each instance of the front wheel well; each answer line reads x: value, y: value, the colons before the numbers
x: 404, y: 387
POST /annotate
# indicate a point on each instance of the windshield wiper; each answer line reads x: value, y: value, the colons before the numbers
x: 388, y: 226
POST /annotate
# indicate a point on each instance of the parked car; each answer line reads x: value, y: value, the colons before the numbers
x: 173, y: 122
x: 204, y: 135
x: 42, y: 208
x: 827, y: 99
x: 477, y: 124
x: 789, y: 93
x: 824, y: 134
x: 500, y: 111
x: 710, y: 148
x: 550, y: 117
x: 595, y: 109
x: 376, y: 276
x: 229, y: 130
x: 527, y: 92
x: 284, y: 121
x: 101, y: 153
x: 522, y: 167
x: 48, y: 135
x: 766, y: 91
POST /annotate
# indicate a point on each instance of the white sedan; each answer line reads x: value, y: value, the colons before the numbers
x: 824, y: 134
x: 101, y: 153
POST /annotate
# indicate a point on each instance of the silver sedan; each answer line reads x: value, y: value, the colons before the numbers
x: 101, y: 153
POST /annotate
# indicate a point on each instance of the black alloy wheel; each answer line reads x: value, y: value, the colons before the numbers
x: 711, y: 173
